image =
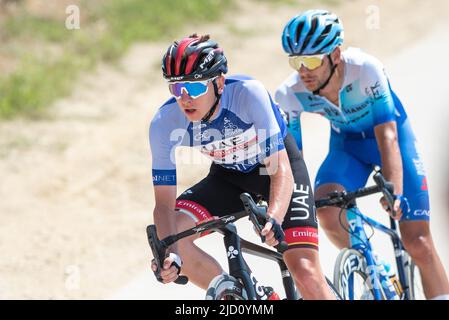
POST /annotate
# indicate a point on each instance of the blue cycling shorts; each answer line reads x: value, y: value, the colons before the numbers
x: 350, y: 162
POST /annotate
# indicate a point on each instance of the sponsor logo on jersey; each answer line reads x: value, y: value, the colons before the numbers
x: 424, y: 184
x: 419, y: 166
x: 200, y: 213
x: 235, y: 149
x: 420, y: 213
x: 356, y: 108
x: 299, y: 203
x: 348, y: 88
x: 302, y: 235
x: 375, y: 90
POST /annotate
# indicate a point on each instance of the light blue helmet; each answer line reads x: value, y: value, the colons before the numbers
x: 312, y: 32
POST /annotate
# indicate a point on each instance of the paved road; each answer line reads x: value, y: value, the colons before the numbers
x: 423, y: 90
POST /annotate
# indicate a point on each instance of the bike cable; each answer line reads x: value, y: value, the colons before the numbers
x: 347, y: 230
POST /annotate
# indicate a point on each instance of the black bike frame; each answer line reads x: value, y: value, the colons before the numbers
x: 238, y: 267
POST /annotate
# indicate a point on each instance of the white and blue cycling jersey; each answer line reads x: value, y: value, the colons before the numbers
x: 365, y: 101
x: 247, y: 129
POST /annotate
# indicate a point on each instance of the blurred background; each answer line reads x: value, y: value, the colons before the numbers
x: 80, y: 82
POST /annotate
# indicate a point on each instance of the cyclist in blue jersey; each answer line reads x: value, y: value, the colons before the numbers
x: 235, y: 123
x: 369, y: 126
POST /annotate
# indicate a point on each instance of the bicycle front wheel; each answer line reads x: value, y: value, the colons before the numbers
x: 414, y: 279
x: 350, y: 278
x: 226, y: 287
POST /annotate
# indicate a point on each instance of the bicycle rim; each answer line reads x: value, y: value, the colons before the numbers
x: 350, y: 278
x: 414, y: 278
x: 333, y: 289
x: 226, y: 287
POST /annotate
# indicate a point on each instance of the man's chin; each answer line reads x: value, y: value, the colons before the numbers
x: 310, y: 87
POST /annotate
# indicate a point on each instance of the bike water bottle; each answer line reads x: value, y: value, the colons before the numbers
x: 384, y: 270
x: 396, y: 283
x: 393, y: 278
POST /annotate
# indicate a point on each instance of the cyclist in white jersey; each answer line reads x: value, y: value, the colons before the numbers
x: 369, y: 127
x: 236, y: 124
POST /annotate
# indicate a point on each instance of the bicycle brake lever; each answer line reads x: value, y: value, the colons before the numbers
x: 282, y: 245
x: 258, y: 222
x: 159, y: 250
x: 156, y: 249
x: 388, y: 193
x: 259, y: 217
x: 387, y: 190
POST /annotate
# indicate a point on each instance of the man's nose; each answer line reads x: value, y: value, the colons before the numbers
x: 303, y: 70
x: 185, y: 96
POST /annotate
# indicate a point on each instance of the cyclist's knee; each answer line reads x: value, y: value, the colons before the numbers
x: 304, y: 265
x: 185, y: 245
x: 328, y: 218
x: 323, y: 190
x: 184, y: 222
x: 418, y: 241
x: 420, y: 247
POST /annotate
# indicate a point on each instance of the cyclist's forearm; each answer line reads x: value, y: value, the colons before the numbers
x: 390, y: 152
x: 165, y: 220
x: 281, y: 187
x: 392, y: 168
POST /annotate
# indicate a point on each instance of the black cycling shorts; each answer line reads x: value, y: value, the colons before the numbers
x: 218, y: 194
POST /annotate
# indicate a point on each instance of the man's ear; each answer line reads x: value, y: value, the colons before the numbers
x: 336, y: 55
x: 220, y: 84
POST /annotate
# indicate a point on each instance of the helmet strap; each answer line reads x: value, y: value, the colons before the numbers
x: 333, y: 67
x: 214, y: 106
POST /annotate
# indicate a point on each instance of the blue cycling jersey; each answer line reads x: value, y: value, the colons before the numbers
x: 247, y: 129
x: 366, y: 99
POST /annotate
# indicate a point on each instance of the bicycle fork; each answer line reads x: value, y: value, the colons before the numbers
x: 239, y: 269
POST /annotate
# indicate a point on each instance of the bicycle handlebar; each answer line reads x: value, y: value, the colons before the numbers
x: 387, y: 190
x: 342, y: 199
x: 159, y: 249
x: 257, y: 215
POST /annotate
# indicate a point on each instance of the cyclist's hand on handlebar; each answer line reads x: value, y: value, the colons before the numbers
x: 400, y: 206
x: 171, y: 268
x: 272, y: 232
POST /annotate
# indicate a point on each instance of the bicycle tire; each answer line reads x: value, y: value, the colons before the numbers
x: 351, y: 262
x: 414, y: 279
x: 333, y: 289
x: 226, y: 287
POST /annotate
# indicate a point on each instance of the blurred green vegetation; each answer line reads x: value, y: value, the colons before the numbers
x: 48, y: 57
x: 304, y: 3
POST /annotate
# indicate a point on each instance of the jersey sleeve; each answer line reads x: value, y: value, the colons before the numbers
x: 264, y: 114
x: 291, y: 109
x: 162, y: 153
x: 374, y: 80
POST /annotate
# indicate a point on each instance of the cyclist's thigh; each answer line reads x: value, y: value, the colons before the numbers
x: 210, y: 197
x: 342, y: 167
x: 414, y: 177
x: 300, y: 222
